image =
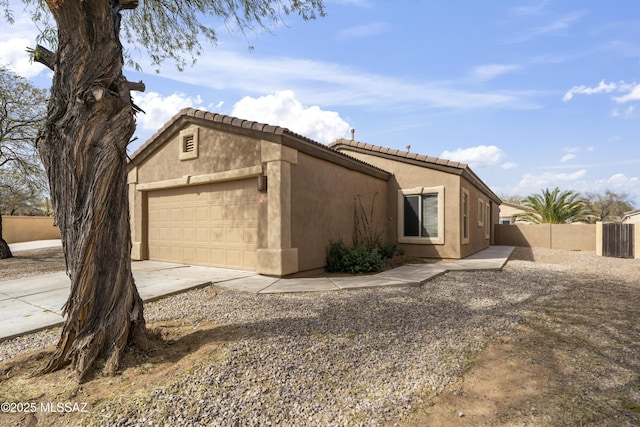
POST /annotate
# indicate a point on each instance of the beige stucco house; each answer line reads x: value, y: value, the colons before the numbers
x: 210, y: 189
x: 632, y: 217
x: 508, y: 212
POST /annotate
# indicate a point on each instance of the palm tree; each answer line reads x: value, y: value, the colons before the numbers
x: 555, y: 207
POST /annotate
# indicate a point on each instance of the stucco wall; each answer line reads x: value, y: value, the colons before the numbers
x: 217, y: 151
x: 478, y: 239
x: 571, y: 237
x: 28, y: 228
x: 323, y: 196
x: 409, y: 176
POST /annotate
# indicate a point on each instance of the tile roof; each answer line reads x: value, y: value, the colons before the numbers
x: 415, y: 158
x: 307, y: 144
x: 397, y: 153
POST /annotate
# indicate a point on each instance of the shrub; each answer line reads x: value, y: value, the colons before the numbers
x: 390, y: 250
x: 336, y: 256
x: 359, y: 259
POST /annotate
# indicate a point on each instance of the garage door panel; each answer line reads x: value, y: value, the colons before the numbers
x: 176, y: 214
x: 188, y: 234
x: 202, y: 235
x: 250, y: 215
x: 213, y: 224
x: 188, y: 214
x: 160, y: 252
x: 234, y: 235
x: 176, y: 253
x: 164, y: 234
x: 176, y: 235
x: 250, y: 236
x: 189, y: 255
x: 217, y: 235
x: 217, y: 213
x: 202, y: 213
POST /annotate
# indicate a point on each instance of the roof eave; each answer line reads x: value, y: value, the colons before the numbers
x: 442, y: 165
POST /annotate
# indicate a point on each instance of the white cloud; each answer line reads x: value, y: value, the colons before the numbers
x: 509, y: 165
x: 477, y: 157
x: 326, y: 83
x: 631, y: 90
x: 283, y: 109
x: 15, y: 39
x: 627, y: 114
x: 535, y: 183
x: 362, y: 31
x: 585, y: 90
x: 633, y: 95
x: 490, y: 71
x: 159, y: 109
x: 554, y: 27
x: 533, y: 9
x: 13, y: 56
x: 567, y: 157
x: 619, y: 182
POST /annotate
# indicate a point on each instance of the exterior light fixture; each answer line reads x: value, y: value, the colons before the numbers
x: 262, y: 183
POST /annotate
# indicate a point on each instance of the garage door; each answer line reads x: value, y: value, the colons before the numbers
x: 212, y: 224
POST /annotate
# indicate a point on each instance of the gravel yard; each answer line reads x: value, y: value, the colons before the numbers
x: 372, y: 357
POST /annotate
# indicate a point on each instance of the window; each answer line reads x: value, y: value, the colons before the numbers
x: 465, y: 216
x: 188, y: 143
x: 480, y: 212
x: 421, y: 215
x: 487, y: 222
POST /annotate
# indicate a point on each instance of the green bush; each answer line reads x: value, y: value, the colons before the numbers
x: 390, y: 250
x: 336, y: 256
x: 359, y: 259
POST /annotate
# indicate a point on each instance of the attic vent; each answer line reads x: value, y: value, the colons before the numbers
x: 188, y: 143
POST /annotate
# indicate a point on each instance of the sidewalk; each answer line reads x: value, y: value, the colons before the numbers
x: 34, y: 303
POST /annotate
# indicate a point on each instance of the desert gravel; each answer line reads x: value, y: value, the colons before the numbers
x: 366, y: 357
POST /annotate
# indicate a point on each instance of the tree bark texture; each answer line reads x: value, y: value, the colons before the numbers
x: 83, y: 144
x: 5, y: 251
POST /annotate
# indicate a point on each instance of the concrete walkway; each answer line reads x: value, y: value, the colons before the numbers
x: 34, y: 303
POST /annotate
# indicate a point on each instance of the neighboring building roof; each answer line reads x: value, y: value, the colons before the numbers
x: 513, y: 205
x: 260, y: 130
x: 443, y: 165
x: 630, y: 214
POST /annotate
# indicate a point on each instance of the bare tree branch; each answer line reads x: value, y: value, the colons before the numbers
x: 44, y: 56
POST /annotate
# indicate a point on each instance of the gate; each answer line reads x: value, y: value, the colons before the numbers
x: 617, y: 240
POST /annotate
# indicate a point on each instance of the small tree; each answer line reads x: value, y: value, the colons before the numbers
x: 511, y: 198
x: 22, y: 179
x: 555, y: 207
x: 610, y: 206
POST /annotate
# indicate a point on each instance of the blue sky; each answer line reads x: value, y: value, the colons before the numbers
x: 531, y: 94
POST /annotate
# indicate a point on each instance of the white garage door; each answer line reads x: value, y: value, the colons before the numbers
x: 211, y: 224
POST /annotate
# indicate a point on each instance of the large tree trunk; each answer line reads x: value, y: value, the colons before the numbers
x: 5, y: 251
x: 89, y: 123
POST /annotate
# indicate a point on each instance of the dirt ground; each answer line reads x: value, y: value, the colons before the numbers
x: 32, y: 263
x: 572, y: 361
